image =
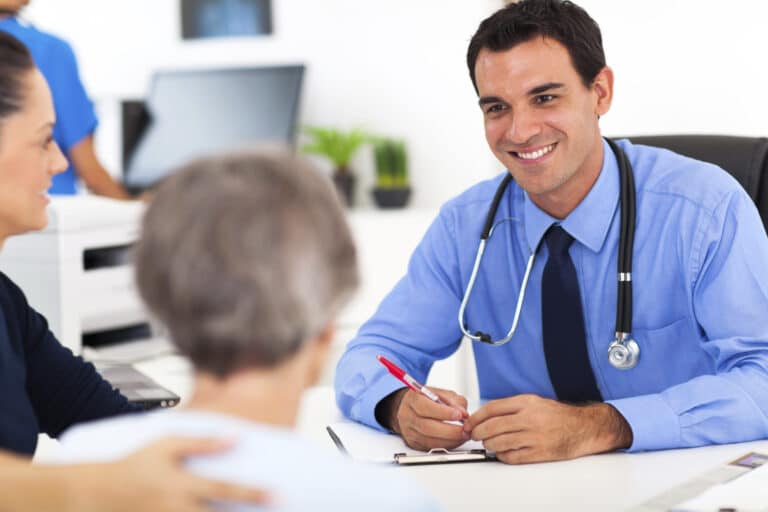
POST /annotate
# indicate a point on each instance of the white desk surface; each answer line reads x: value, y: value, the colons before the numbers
x: 600, y: 483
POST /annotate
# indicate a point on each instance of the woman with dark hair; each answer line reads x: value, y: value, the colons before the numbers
x: 43, y: 386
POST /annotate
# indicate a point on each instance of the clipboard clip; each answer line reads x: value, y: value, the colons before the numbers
x: 443, y: 456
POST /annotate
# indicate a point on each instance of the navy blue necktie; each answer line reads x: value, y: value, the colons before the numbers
x: 565, y: 340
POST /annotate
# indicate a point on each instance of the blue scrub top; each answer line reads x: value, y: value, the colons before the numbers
x: 75, y: 114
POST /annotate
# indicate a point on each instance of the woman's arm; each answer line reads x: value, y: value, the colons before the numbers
x: 151, y: 479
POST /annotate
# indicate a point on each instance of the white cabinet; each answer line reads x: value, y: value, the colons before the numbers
x: 77, y: 271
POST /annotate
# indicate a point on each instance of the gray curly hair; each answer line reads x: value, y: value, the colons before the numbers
x: 244, y: 257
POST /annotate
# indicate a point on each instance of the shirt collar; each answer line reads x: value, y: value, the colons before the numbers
x: 590, y: 220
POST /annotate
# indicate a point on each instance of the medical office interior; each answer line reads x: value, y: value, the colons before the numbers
x: 394, y: 70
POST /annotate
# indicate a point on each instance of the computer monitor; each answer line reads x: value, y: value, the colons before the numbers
x: 193, y: 113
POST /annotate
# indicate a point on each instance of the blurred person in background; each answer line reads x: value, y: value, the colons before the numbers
x: 75, y: 115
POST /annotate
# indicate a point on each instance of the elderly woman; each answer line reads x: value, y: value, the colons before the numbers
x: 247, y: 259
x: 43, y: 386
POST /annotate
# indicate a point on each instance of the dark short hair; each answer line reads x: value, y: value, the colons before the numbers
x: 244, y: 257
x: 15, y: 61
x: 561, y: 20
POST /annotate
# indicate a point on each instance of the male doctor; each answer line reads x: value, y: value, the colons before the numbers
x: 699, y: 272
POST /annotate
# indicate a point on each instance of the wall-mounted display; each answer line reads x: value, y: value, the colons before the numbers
x: 225, y: 18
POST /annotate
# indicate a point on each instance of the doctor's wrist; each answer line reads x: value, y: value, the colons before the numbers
x: 616, y: 434
x: 387, y: 408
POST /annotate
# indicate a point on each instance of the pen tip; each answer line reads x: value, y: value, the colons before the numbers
x: 378, y: 357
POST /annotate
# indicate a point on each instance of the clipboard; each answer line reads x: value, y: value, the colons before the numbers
x: 443, y: 456
x: 365, y: 444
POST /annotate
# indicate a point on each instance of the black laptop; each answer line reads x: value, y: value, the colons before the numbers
x: 137, y: 387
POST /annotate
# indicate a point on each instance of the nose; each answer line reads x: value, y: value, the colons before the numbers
x: 524, y: 126
x: 59, y: 162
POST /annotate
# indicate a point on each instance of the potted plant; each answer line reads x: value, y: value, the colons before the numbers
x: 339, y: 147
x: 392, y: 188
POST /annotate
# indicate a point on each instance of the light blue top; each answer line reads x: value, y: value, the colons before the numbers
x: 700, y: 293
x: 299, y: 475
x: 75, y: 115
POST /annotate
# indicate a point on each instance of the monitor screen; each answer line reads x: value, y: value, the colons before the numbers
x: 195, y: 113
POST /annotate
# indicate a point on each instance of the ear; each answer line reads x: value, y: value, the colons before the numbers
x: 602, y: 85
x: 319, y: 349
x: 326, y: 335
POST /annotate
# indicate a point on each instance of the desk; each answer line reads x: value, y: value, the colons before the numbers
x: 600, y: 483
x: 603, y: 483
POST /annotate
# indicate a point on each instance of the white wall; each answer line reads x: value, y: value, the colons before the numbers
x: 394, y: 67
x: 397, y: 67
x: 686, y: 66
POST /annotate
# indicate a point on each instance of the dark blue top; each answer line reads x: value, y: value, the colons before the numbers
x: 75, y: 115
x: 43, y: 386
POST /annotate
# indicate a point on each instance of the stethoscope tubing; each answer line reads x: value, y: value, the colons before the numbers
x: 624, y: 260
x: 626, y: 244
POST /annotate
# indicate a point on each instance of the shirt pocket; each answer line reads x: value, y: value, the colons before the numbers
x: 669, y: 355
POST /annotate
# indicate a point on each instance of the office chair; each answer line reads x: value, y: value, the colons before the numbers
x: 745, y: 158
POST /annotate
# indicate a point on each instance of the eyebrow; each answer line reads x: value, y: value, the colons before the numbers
x: 46, y: 126
x: 545, y: 87
x: 489, y: 99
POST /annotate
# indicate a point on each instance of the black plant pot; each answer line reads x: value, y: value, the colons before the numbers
x: 345, y: 185
x: 391, y: 197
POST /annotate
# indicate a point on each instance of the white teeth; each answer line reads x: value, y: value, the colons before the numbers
x: 536, y: 154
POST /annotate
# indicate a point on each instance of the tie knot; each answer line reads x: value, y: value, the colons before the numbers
x: 558, y: 240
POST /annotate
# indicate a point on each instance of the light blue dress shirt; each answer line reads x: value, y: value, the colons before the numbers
x: 298, y: 474
x: 700, y: 292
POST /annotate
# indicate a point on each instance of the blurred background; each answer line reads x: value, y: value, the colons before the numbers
x: 383, y: 95
x: 397, y: 68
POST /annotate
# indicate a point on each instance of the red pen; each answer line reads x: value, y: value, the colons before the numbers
x: 409, y: 381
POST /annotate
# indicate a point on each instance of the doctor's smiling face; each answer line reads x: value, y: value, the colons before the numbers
x: 29, y: 157
x: 541, y: 120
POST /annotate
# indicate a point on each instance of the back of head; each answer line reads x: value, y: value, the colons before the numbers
x: 15, y: 62
x: 245, y: 257
x: 561, y: 20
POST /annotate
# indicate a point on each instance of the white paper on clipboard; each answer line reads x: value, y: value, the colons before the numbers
x: 369, y: 445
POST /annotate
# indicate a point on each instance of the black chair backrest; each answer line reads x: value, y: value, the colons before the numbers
x: 745, y: 158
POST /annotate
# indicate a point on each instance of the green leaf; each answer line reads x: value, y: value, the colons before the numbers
x: 337, y: 146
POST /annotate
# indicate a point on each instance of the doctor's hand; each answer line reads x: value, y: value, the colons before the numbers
x: 422, y: 422
x: 528, y: 428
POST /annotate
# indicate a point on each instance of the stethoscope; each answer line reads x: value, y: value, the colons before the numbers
x: 623, y: 352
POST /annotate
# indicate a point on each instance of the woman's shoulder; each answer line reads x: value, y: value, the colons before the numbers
x: 10, y: 290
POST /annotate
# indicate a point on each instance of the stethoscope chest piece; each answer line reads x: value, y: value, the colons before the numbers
x: 623, y: 352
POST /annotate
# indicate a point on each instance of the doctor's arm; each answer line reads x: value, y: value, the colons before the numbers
x: 729, y: 290
x: 730, y: 300
x: 414, y: 326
